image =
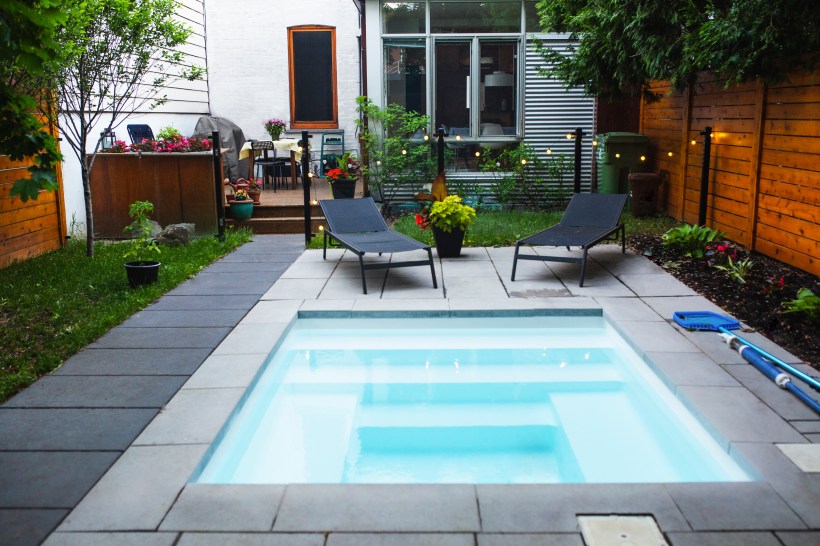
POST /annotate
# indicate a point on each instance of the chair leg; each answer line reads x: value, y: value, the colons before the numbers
x: 583, y: 267
x: 364, y: 279
x: 515, y: 260
x: 432, y: 268
x: 623, y: 239
x: 324, y: 245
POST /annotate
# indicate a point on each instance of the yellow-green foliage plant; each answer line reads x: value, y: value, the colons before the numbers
x: 451, y: 214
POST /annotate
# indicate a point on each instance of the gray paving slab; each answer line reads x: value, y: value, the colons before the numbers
x: 236, y: 282
x: 82, y: 429
x: 183, y: 319
x: 251, y: 339
x: 723, y: 539
x: 226, y: 371
x: 50, y: 479
x: 28, y: 527
x: 134, y: 362
x: 161, y: 338
x: 378, y: 508
x: 667, y: 305
x: 656, y: 285
x: 799, y: 538
x: 69, y: 391
x: 800, y: 490
x: 210, y: 302
x: 193, y: 416
x: 621, y: 309
x: 137, y: 492
x: 396, y: 539
x: 472, y: 287
x: 554, y: 509
x: 260, y: 267
x: 731, y: 507
x: 248, y: 539
x: 694, y: 369
x: 111, y: 539
x: 545, y: 539
x: 626, y: 264
x: 737, y: 415
x: 287, y: 289
x: 814, y: 438
x: 653, y: 336
x: 272, y: 311
x: 203, y: 507
x: 807, y: 427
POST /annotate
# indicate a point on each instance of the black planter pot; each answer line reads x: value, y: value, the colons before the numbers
x: 448, y: 245
x: 142, y: 272
x: 343, y: 189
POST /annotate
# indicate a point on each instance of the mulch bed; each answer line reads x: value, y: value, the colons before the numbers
x: 757, y: 302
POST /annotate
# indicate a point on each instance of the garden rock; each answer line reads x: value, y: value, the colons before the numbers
x: 175, y: 234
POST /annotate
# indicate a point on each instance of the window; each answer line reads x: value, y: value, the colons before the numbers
x: 487, y: 16
x: 403, y: 17
x: 405, y: 74
x: 312, y: 56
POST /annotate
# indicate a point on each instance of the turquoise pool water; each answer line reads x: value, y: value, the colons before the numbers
x: 461, y: 400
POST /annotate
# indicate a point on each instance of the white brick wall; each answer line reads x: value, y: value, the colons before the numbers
x: 247, y: 45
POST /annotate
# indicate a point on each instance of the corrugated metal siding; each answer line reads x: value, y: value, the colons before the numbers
x: 551, y: 111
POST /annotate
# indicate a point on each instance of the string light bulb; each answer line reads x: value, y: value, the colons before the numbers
x: 478, y: 154
x: 617, y: 156
x: 694, y: 142
x: 379, y: 163
x: 321, y: 228
x: 595, y: 142
x: 426, y: 137
x: 523, y: 161
x: 310, y: 175
x: 569, y: 136
x: 458, y: 137
x: 643, y: 158
x: 404, y: 152
x: 549, y: 151
x: 670, y: 154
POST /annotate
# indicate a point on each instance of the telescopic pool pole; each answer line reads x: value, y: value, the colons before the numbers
x: 778, y: 377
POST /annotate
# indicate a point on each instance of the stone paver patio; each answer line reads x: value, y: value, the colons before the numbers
x: 100, y: 452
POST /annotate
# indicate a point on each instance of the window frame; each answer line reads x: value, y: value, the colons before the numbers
x: 313, y: 124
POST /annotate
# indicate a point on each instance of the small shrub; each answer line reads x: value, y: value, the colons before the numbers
x: 140, y: 229
x: 806, y: 302
x: 738, y: 270
x: 691, y: 239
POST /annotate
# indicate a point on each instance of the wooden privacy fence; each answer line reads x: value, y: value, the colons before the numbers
x: 31, y: 228
x: 764, y: 177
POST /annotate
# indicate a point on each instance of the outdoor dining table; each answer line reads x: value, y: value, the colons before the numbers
x: 289, y: 144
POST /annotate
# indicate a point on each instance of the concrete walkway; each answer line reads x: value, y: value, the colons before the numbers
x: 143, y: 424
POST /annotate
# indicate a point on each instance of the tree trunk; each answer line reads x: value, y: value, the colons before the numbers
x: 89, y: 213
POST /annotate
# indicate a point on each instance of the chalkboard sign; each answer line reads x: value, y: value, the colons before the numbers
x: 313, y: 77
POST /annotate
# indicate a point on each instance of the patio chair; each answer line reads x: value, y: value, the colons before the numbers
x: 589, y: 219
x: 358, y: 226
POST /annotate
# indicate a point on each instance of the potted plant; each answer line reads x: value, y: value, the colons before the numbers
x: 253, y: 186
x: 274, y: 127
x: 449, y: 219
x: 342, y: 179
x: 141, y: 270
x: 241, y: 205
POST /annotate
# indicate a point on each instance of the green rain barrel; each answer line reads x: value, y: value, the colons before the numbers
x: 619, y: 154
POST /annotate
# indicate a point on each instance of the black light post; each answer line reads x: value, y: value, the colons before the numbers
x: 306, y: 183
x: 704, y: 174
x: 440, y: 149
x: 218, y: 186
x: 579, y: 136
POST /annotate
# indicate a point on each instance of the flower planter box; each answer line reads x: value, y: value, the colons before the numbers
x: 180, y: 185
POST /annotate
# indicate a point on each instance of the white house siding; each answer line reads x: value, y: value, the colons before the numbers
x: 248, y: 59
x: 186, y: 102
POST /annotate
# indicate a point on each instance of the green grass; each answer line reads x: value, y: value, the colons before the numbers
x: 505, y: 228
x: 54, y: 305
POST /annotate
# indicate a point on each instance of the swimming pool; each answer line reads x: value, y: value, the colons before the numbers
x: 537, y: 399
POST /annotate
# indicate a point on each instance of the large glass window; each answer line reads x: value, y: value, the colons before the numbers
x: 499, y: 96
x: 403, y: 17
x: 453, y: 86
x: 488, y: 16
x: 312, y: 52
x: 405, y: 74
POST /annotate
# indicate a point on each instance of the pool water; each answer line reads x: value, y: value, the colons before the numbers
x: 461, y: 400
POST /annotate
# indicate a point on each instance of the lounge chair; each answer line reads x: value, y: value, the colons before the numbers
x: 359, y: 226
x: 589, y: 219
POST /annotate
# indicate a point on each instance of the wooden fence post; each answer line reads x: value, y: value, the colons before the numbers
x: 684, y: 149
x: 754, y: 170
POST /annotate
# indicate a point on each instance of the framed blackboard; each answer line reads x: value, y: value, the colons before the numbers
x: 313, y: 100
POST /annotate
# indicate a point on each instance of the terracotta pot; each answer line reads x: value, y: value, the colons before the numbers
x: 256, y: 195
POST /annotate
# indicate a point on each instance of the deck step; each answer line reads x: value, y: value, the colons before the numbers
x: 283, y: 211
x: 278, y: 226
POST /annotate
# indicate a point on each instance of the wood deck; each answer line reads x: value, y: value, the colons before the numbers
x: 282, y: 210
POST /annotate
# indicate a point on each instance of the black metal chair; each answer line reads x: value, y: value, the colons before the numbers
x: 265, y: 164
x: 357, y: 225
x: 589, y: 219
x: 139, y: 132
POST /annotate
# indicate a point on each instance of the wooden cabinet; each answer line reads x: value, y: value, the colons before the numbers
x: 181, y: 187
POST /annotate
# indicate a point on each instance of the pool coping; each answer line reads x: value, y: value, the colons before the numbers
x: 147, y: 489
